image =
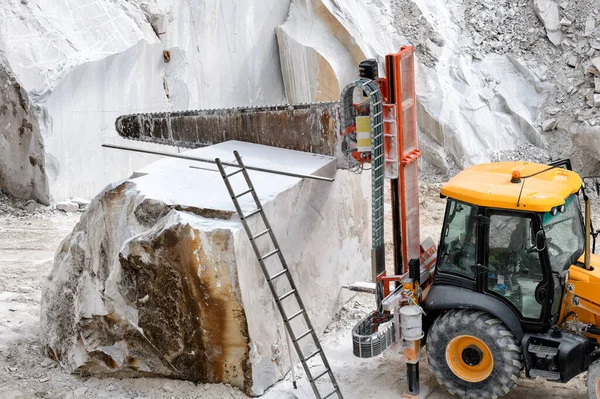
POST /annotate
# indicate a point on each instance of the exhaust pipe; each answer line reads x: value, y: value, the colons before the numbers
x: 588, y: 224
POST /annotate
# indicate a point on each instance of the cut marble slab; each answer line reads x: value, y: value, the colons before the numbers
x: 159, y: 278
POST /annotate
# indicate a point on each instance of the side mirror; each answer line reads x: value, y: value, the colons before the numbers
x: 540, y: 240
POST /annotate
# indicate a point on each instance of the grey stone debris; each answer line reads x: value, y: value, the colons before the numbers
x: 30, y: 206
x: 82, y: 203
x: 596, y: 63
x: 565, y: 22
x: 572, y: 61
x: 597, y: 100
x: 549, y: 124
x: 589, y: 96
x: 590, y: 25
x: 597, y: 85
x: 548, y: 12
x: 169, y: 387
x: 67, y: 206
x: 553, y: 111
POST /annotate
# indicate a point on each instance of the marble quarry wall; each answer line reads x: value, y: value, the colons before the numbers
x: 22, y: 156
x: 468, y: 107
x: 82, y: 64
x: 494, y: 79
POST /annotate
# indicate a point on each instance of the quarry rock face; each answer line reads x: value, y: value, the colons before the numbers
x: 86, y: 63
x: 488, y: 75
x: 159, y: 278
x: 22, y: 156
x: 468, y: 108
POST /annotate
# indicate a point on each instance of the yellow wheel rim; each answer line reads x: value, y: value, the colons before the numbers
x: 598, y: 388
x: 469, y: 358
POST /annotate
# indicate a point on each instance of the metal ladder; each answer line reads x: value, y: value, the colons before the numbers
x: 292, y: 292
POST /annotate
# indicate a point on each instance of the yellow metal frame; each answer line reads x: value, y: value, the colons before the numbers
x: 581, y: 300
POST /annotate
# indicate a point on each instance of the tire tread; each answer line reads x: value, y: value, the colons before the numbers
x: 504, y: 375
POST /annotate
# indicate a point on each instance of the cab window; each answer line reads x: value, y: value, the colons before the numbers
x: 564, y: 235
x: 515, y: 268
x: 457, y: 253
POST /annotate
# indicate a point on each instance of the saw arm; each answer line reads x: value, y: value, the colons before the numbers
x: 309, y: 127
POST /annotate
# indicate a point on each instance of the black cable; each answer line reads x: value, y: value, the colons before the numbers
x: 531, y: 175
x: 521, y: 192
x: 541, y: 171
x: 567, y: 316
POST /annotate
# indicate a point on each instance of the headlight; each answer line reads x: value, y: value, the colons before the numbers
x: 554, y: 211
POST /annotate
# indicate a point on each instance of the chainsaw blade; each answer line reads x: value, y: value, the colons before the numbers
x: 311, y: 127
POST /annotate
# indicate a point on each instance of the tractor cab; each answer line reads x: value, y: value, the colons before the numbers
x: 511, y: 231
x: 511, y: 290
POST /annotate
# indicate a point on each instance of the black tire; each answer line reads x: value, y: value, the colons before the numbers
x: 593, y: 380
x: 496, y: 379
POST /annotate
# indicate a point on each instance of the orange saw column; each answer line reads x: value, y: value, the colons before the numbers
x: 405, y: 190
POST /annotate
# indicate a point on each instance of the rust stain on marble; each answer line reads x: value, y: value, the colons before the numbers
x: 186, y: 305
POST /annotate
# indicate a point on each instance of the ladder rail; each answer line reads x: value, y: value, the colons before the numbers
x: 285, y: 271
x: 291, y: 282
x: 290, y: 279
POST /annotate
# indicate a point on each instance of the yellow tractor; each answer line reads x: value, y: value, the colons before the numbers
x: 515, y: 286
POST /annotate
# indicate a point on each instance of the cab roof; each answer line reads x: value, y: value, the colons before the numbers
x: 490, y: 185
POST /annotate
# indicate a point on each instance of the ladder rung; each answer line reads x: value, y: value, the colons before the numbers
x: 329, y: 394
x: 304, y: 334
x: 277, y: 274
x: 244, y: 193
x: 262, y: 233
x: 320, y: 375
x: 286, y: 295
x: 298, y: 313
x: 312, y: 354
x: 254, y: 212
x: 234, y: 173
x: 273, y: 252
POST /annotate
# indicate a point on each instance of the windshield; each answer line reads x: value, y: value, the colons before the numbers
x: 457, y: 254
x: 564, y: 235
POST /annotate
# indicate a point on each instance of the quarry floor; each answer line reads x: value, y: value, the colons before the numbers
x: 27, y: 246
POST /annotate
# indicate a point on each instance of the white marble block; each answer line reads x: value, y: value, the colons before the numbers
x: 159, y: 277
